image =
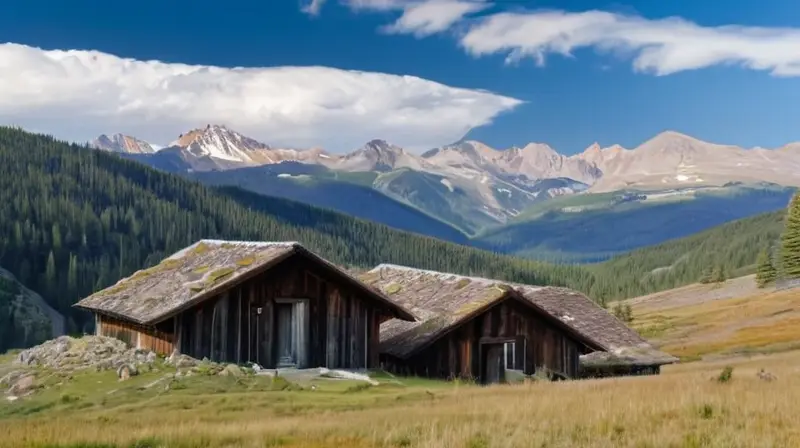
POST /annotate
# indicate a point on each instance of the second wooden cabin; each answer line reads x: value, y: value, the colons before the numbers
x: 490, y: 331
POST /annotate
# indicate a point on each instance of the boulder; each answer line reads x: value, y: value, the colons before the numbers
x: 231, y: 370
x: 23, y: 386
x: 126, y: 371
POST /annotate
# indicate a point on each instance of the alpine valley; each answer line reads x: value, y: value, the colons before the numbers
x: 529, y: 201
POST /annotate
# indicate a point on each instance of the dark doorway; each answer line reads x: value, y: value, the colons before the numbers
x: 493, y: 363
x: 287, y: 353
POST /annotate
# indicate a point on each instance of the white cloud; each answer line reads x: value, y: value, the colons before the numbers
x: 426, y: 18
x: 79, y: 94
x: 420, y: 17
x: 661, y: 47
x: 312, y: 7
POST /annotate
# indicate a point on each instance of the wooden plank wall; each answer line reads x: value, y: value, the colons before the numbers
x: 620, y: 371
x: 458, y: 353
x: 343, y: 326
x: 147, y: 338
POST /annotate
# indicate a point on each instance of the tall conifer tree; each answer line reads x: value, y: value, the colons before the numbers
x: 790, y: 241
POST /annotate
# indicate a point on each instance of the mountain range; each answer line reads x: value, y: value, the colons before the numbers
x: 496, y: 198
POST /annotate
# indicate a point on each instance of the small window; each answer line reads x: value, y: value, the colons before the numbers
x: 510, y: 351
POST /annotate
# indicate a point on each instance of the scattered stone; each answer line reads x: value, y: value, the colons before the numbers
x: 98, y: 352
x: 178, y: 360
x: 126, y: 371
x: 231, y: 370
x: 12, y: 377
x: 766, y: 376
x: 23, y: 386
x: 12, y: 398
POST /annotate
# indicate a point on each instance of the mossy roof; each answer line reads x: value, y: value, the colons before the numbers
x: 202, y: 271
x: 443, y: 300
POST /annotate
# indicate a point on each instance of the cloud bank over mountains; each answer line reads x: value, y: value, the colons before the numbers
x: 79, y: 94
x: 657, y: 46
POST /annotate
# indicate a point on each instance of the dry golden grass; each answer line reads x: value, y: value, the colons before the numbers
x: 683, y: 407
x: 765, y: 322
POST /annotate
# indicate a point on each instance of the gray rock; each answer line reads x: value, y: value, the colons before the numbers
x: 98, y: 352
x: 23, y: 386
x: 231, y: 370
x: 126, y: 371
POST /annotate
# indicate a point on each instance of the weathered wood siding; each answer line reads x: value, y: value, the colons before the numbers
x: 623, y: 370
x: 157, y: 339
x: 458, y: 354
x: 341, y: 325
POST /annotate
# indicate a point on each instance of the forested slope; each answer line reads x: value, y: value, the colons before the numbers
x: 74, y: 220
x: 733, y: 247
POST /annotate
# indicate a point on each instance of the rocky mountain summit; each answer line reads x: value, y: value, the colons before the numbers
x: 122, y: 144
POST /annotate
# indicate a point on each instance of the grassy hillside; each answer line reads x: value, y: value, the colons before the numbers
x: 733, y: 318
x: 733, y: 246
x: 683, y: 407
x: 74, y: 220
x: 593, y: 227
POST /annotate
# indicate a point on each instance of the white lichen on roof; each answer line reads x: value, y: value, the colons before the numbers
x: 201, y: 271
x: 442, y: 299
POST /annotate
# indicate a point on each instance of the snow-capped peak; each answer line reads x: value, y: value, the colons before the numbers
x: 219, y: 142
x: 122, y: 143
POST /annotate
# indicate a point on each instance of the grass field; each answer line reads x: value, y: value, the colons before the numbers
x: 712, y: 321
x: 685, y: 406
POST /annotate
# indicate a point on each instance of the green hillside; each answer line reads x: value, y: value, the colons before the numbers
x: 592, y: 227
x: 733, y: 246
x: 74, y: 220
x: 349, y: 193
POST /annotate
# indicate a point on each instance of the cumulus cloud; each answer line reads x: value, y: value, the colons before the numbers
x: 79, y: 94
x: 661, y: 47
x: 312, y: 7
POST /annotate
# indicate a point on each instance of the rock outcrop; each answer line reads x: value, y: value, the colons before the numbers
x: 66, y: 353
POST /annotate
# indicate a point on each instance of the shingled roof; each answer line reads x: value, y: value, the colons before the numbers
x: 201, y: 271
x: 441, y: 300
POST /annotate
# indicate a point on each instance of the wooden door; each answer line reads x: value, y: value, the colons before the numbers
x: 493, y: 363
x: 287, y: 353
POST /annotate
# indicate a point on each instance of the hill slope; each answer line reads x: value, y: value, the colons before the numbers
x: 74, y: 220
x: 733, y: 246
x: 348, y: 193
x: 732, y: 318
x: 24, y: 317
x: 591, y: 227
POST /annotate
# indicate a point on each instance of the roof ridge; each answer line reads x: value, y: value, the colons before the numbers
x: 436, y: 273
x: 213, y: 242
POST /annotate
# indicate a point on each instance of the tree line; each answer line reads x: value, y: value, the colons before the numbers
x: 783, y: 261
x: 74, y: 220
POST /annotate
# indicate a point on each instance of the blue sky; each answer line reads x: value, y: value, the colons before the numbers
x: 568, y: 102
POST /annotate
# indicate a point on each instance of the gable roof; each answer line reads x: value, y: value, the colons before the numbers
x: 202, y: 271
x: 442, y: 300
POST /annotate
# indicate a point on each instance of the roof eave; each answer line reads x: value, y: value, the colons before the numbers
x: 400, y: 311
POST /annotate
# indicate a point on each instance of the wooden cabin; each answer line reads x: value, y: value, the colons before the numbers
x: 274, y: 304
x: 488, y: 330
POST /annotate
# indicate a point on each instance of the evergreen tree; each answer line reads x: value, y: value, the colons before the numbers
x: 719, y: 275
x: 707, y: 276
x: 765, y: 270
x: 790, y: 241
